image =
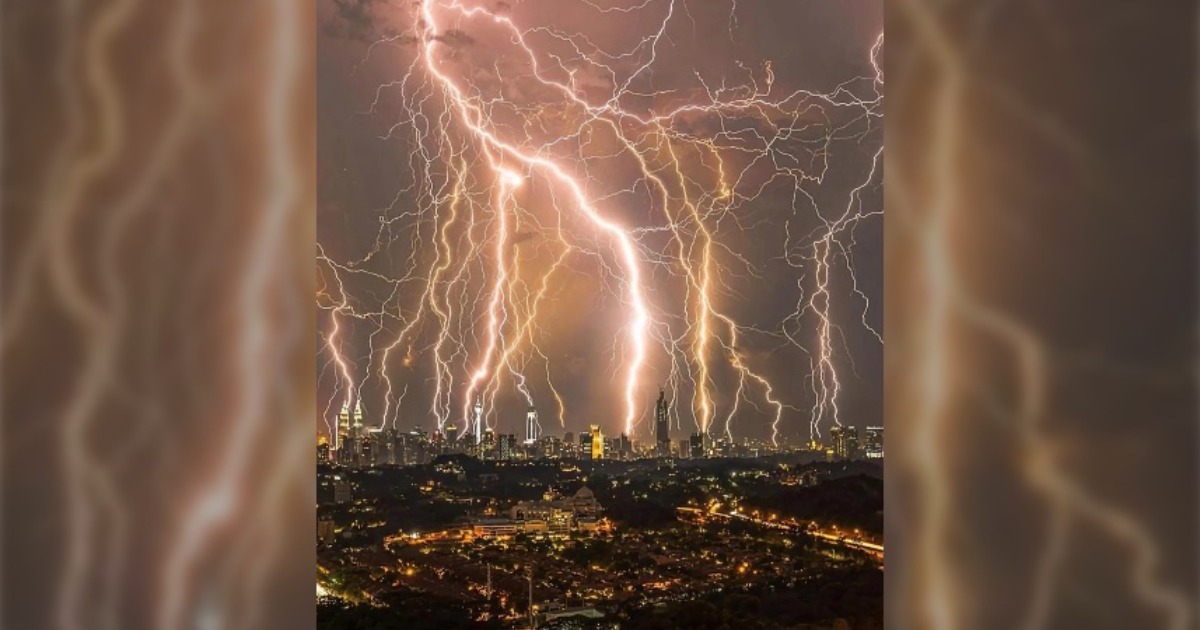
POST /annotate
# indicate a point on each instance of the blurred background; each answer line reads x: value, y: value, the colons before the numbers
x: 157, y: 314
x: 1041, y: 283
x: 158, y: 329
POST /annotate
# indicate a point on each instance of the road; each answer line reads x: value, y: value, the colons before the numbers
x: 830, y: 535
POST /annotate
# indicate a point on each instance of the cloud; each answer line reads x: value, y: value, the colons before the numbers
x: 352, y: 20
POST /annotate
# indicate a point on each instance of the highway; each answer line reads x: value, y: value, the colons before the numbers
x: 833, y: 536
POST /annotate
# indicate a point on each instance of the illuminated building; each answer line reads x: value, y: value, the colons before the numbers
x: 845, y: 441
x: 451, y: 434
x: 873, y: 443
x: 684, y: 449
x: 662, y: 425
x: 401, y: 450
x: 550, y: 446
x: 326, y: 530
x: 533, y: 430
x: 342, y: 490
x: 357, y: 439
x: 322, y: 450
x: 696, y: 445
x: 387, y: 447
x: 477, y: 421
x: 626, y: 447
x: 597, y: 442
x: 342, y: 444
x: 837, y: 435
x: 488, y: 446
x: 497, y: 528
x: 569, y: 448
x: 368, y: 452
x: 585, y: 445
x: 554, y: 515
x: 508, y: 446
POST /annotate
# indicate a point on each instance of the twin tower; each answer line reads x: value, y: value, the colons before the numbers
x: 533, y: 428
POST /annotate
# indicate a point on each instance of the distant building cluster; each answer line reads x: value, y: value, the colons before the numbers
x: 356, y: 447
x: 848, y: 445
x: 552, y: 516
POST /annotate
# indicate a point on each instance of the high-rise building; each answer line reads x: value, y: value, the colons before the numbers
x: 343, y: 492
x: 400, y: 449
x: 845, y: 441
x: 696, y: 445
x: 477, y: 419
x: 487, y: 448
x: 533, y: 430
x: 662, y: 425
x: 359, y: 439
x: 873, y: 443
x: 585, y: 445
x: 508, y: 446
x: 612, y: 447
x: 387, y: 447
x: 343, y: 424
x: 322, y: 450
x: 626, y: 447
x: 684, y: 449
x: 451, y: 433
x: 550, y: 446
x: 366, y: 450
x: 342, y: 444
x: 837, y: 436
x: 597, y: 442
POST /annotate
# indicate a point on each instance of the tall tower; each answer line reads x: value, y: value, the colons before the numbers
x: 662, y: 426
x: 356, y: 432
x: 343, y: 427
x: 477, y: 422
x: 533, y: 430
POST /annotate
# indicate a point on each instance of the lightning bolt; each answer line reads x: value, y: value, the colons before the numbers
x: 701, y: 158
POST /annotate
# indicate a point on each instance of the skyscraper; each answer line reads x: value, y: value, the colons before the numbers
x: 322, y: 450
x: 342, y: 442
x: 369, y: 451
x: 845, y: 441
x: 873, y: 443
x: 697, y: 445
x: 533, y: 430
x: 597, y: 442
x: 585, y: 445
x: 487, y: 448
x: 508, y: 446
x: 662, y: 426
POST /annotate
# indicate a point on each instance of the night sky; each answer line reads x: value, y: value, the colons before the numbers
x: 782, y: 177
